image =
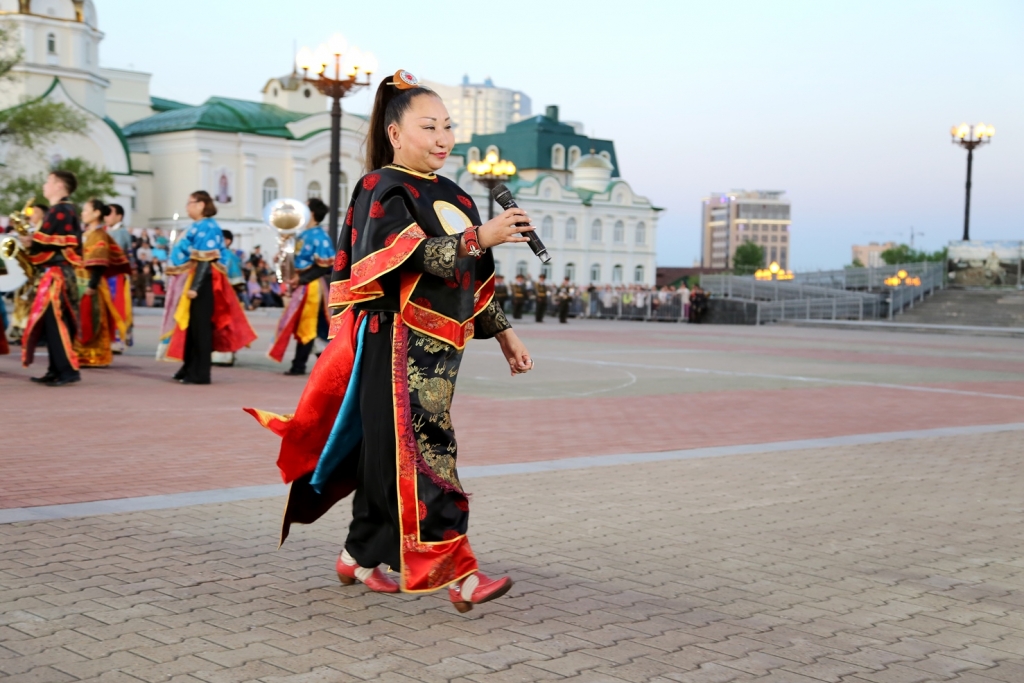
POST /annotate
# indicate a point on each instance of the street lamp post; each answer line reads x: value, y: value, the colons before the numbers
x: 489, y: 173
x: 348, y: 63
x: 970, y: 137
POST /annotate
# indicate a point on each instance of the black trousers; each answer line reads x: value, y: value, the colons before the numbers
x: 373, y: 537
x: 563, y: 311
x: 199, y: 336
x: 542, y: 307
x: 60, y: 365
x: 517, y: 308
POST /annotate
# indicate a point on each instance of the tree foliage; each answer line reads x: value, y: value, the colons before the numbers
x: 749, y: 257
x: 33, y: 123
x: 93, y: 181
x: 905, y: 254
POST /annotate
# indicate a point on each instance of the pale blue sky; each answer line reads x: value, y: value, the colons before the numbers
x: 844, y: 105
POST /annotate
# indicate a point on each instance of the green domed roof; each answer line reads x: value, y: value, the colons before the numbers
x: 220, y: 114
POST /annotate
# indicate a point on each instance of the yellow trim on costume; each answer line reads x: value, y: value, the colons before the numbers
x: 305, y: 331
x: 425, y: 176
x: 440, y: 206
x: 181, y: 314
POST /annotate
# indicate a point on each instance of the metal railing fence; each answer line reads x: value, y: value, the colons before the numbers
x: 868, y: 278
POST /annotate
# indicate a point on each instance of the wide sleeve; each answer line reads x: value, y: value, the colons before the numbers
x: 491, y: 321
x: 380, y: 234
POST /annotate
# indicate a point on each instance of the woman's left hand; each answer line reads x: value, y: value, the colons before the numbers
x: 515, y: 352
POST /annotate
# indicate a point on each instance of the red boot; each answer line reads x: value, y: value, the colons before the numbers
x: 349, y: 572
x: 477, y: 588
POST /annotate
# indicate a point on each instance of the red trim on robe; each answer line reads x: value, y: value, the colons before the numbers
x: 425, y: 566
x: 304, y: 434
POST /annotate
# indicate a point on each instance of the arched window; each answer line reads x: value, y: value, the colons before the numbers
x: 617, y: 273
x: 558, y: 157
x: 570, y: 230
x: 545, y: 270
x: 497, y: 267
x: 638, y: 274
x: 574, y: 155
x: 619, y: 233
x: 522, y: 269
x: 596, y: 231
x: 605, y: 155
x: 51, y: 43
x: 595, y: 272
x: 313, y: 190
x: 547, y: 228
x: 493, y: 148
x: 269, y: 191
x: 570, y: 271
x: 641, y: 234
x: 474, y: 154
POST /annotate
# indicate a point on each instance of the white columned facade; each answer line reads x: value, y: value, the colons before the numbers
x: 250, y: 186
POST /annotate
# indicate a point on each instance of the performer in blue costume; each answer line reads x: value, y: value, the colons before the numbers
x: 233, y: 267
x: 306, y: 318
x: 201, y: 314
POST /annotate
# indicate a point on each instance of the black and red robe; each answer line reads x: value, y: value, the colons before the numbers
x: 405, y: 306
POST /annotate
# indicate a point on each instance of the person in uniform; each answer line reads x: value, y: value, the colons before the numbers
x: 375, y: 415
x: 500, y: 291
x: 542, y: 297
x: 564, y: 295
x: 55, y: 249
x: 307, y: 316
x: 518, y: 297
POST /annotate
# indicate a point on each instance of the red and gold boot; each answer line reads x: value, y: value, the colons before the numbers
x: 475, y: 589
x: 349, y: 572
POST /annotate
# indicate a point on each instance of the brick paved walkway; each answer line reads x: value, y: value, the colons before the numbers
x: 895, y: 562
x: 600, y: 387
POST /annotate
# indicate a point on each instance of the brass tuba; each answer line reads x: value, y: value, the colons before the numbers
x: 10, y: 247
x: 287, y: 217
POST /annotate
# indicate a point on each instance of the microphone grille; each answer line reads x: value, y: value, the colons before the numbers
x: 499, y: 190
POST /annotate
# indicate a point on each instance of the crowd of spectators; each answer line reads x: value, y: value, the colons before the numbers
x: 638, y: 302
x: 149, y: 252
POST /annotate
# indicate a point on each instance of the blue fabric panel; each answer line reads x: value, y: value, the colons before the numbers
x: 348, y: 427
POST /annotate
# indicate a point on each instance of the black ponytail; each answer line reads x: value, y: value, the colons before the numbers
x: 389, y: 105
x: 98, y: 205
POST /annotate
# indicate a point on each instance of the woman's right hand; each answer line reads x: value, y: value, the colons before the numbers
x: 502, y: 229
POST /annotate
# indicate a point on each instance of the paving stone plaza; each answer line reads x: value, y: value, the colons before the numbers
x: 675, y: 503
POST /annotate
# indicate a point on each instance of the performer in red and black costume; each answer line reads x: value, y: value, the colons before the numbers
x: 413, y: 282
x: 56, y: 249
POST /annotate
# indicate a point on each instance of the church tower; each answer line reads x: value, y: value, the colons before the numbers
x: 60, y: 39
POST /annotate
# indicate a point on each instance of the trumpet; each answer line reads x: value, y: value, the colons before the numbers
x: 10, y: 247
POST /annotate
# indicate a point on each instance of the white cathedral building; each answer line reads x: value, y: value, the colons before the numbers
x: 248, y: 153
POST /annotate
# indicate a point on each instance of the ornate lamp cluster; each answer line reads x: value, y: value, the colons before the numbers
x: 349, y: 63
x: 489, y: 173
x: 773, y: 272
x: 902, y: 278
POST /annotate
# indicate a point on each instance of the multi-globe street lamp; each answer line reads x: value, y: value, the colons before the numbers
x: 348, y: 63
x: 489, y: 173
x: 970, y: 137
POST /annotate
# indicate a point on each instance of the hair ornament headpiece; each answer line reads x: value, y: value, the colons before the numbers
x: 403, y: 80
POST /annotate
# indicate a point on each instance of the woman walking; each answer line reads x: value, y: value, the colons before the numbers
x: 201, y: 313
x: 413, y: 281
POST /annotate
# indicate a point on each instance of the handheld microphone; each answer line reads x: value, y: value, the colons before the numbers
x: 503, y: 196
